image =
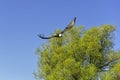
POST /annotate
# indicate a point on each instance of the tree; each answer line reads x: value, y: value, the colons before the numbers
x: 113, y: 73
x: 79, y: 55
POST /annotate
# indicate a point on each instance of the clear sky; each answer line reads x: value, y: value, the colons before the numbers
x: 22, y: 20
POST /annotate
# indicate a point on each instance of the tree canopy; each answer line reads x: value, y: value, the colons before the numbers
x: 80, y: 55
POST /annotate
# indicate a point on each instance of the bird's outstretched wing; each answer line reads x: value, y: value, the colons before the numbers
x: 42, y: 36
x: 69, y: 26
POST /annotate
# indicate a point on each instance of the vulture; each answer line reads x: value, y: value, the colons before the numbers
x: 70, y: 25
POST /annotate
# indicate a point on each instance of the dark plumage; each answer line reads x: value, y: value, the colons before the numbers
x: 70, y: 25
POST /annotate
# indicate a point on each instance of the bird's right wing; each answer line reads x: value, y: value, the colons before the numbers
x: 42, y: 37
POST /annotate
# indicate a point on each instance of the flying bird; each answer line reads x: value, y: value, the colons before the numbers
x: 70, y: 25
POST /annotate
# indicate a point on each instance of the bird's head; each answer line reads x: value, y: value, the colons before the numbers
x: 60, y: 35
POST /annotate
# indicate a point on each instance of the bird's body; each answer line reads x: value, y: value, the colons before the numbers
x: 70, y: 25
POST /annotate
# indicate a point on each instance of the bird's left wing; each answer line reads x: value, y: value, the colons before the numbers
x: 70, y: 25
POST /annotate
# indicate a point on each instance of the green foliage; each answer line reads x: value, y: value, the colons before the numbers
x: 79, y: 55
x: 116, y: 71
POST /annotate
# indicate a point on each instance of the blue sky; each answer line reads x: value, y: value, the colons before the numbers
x: 22, y: 20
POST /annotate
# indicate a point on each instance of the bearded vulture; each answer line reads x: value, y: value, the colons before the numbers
x: 70, y: 25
